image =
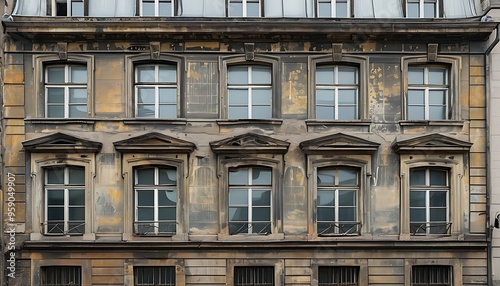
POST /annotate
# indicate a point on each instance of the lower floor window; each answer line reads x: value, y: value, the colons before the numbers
x: 61, y: 275
x: 254, y: 275
x: 338, y: 275
x: 431, y: 275
x: 154, y: 275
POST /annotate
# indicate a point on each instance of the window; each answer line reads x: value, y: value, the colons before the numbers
x: 250, y: 92
x: 338, y: 275
x: 157, y: 8
x: 334, y: 8
x: 66, y: 91
x: 429, y: 200
x: 253, y: 275
x: 152, y: 275
x: 156, y: 91
x: 244, y: 8
x: 250, y: 200
x: 155, y: 191
x: 65, y: 200
x: 337, y: 90
x: 337, y: 200
x: 428, y: 96
x: 431, y: 275
x: 422, y: 9
x: 75, y: 8
x: 61, y: 276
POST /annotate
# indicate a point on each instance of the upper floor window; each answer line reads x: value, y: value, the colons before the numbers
x: 161, y: 8
x: 155, y: 191
x: 428, y: 93
x: 65, y: 200
x: 156, y: 91
x: 429, y: 201
x: 66, y: 91
x: 249, y: 92
x: 61, y: 275
x: 154, y: 275
x: 431, y: 275
x: 244, y: 8
x: 338, y: 275
x: 337, y: 89
x: 73, y: 8
x: 422, y: 8
x: 250, y: 200
x: 253, y: 275
x: 334, y: 8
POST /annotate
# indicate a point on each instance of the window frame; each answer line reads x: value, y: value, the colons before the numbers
x: 336, y: 268
x: 361, y: 264
x: 333, y: 8
x: 449, y: 269
x: 456, y: 266
x: 438, y: 6
x: 156, y: 3
x: 244, y: 4
x: 178, y: 264
x: 52, y: 10
x: 362, y: 92
x: 155, y: 270
x: 84, y: 264
x: 277, y: 264
x: 43, y: 273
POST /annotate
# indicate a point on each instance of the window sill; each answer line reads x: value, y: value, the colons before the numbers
x: 250, y: 237
x: 431, y: 123
x: 431, y: 237
x: 315, y: 122
x: 42, y: 237
x: 158, y: 238
x: 171, y: 121
x: 90, y: 121
x: 249, y: 121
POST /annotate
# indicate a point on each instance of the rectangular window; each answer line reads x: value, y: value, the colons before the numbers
x: 422, y: 9
x: 428, y: 93
x: 338, y: 275
x: 429, y: 201
x: 337, y: 200
x: 253, y: 275
x: 337, y: 91
x: 244, y: 8
x: 74, y: 8
x: 154, y: 275
x: 61, y: 276
x: 155, y: 191
x: 156, y: 91
x: 334, y: 8
x: 250, y: 200
x: 66, y: 91
x: 65, y: 200
x: 431, y: 275
x: 158, y: 8
x: 249, y: 92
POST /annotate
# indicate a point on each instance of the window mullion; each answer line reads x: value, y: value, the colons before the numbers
x: 426, y: 103
x: 156, y: 211
x: 336, y: 103
x: 66, y: 210
x: 250, y: 205
x: 428, y: 211
x: 336, y: 194
x: 157, y: 101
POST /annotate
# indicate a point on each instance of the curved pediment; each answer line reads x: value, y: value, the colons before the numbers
x: 250, y: 142
x: 61, y: 143
x: 431, y: 143
x: 154, y: 141
x: 338, y: 142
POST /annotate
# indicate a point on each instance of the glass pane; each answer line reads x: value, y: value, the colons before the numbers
x: 342, y: 9
x: 417, y: 199
x: 55, y: 111
x: 253, y: 9
x: 235, y: 228
x: 415, y: 75
x: 325, y: 113
x: 168, y: 95
x: 347, y: 75
x: 146, y: 74
x: 238, y: 198
x: 326, y: 177
x: 238, y: 214
x: 261, y: 198
x: 324, y: 75
x: 55, y: 95
x: 235, y: 9
x: 439, y: 177
x: 168, y: 73
x: 77, y: 213
x: 261, y: 75
x: 167, y: 214
x: 413, y: 10
x: 76, y: 197
x: 347, y: 96
x: 145, y: 95
x: 145, y: 176
x: 348, y: 177
x: 146, y: 198
x: 76, y: 227
x: 347, y: 113
x: 261, y: 214
x: 78, y: 73
x: 324, y: 10
x: 437, y: 76
x: 326, y: 198
x: 437, y: 113
x: 148, y: 8
x: 326, y: 214
x: 261, y: 176
x: 417, y: 215
x: 438, y: 198
x: 55, y: 175
x: 325, y: 97
x: 416, y: 113
x: 146, y: 111
x: 55, y: 75
x: 261, y: 112
x: 347, y: 198
x: 238, y: 112
x: 167, y: 198
x: 437, y: 97
x: 239, y: 177
x: 168, y: 111
x: 76, y: 176
x: 78, y: 95
x: 264, y: 227
x: 145, y: 214
x: 168, y: 176
x: 76, y: 111
x: 238, y: 97
x: 429, y: 10
x: 55, y: 213
x: 417, y: 177
x: 438, y: 214
x: 416, y: 97
x: 77, y: 9
x: 237, y: 75
x: 261, y: 97
x: 55, y: 197
x: 165, y: 9
x: 347, y: 214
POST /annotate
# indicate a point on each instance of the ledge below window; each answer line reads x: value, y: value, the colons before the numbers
x: 315, y: 122
x: 249, y: 121
x: 250, y: 237
x: 82, y: 237
x: 89, y: 121
x: 431, y: 123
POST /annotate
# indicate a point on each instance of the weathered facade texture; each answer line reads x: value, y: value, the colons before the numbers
x: 291, y: 147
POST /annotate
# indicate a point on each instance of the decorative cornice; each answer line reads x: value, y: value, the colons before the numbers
x: 156, y: 142
x: 338, y: 142
x: 431, y: 143
x: 61, y: 143
x: 250, y: 142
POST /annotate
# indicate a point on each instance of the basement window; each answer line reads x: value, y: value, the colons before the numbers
x: 61, y: 276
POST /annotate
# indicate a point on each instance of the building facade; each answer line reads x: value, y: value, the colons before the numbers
x: 246, y: 142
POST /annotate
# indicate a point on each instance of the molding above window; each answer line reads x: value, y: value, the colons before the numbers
x: 61, y: 143
x: 154, y: 141
x: 258, y: 144
x: 338, y: 142
x: 431, y: 143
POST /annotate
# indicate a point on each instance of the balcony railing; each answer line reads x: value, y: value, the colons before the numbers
x: 339, y: 228
x: 426, y: 228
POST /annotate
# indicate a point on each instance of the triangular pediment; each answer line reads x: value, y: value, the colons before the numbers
x: 61, y: 143
x: 250, y: 141
x: 431, y: 143
x: 154, y: 141
x: 338, y: 142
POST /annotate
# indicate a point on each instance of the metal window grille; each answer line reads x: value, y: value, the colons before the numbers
x: 154, y: 276
x: 338, y: 275
x: 431, y: 275
x: 254, y: 275
x: 61, y: 276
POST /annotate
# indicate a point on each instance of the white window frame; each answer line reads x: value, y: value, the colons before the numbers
x: 157, y: 8
x: 69, y: 4
x: 334, y: 8
x: 156, y: 188
x: 157, y: 85
x: 245, y: 3
x: 421, y: 6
